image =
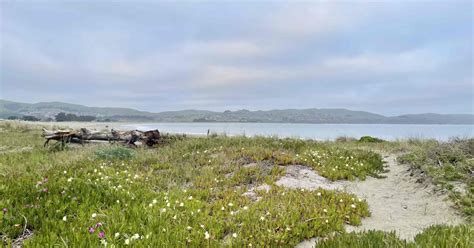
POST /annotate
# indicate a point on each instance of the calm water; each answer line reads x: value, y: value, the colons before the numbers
x: 314, y: 131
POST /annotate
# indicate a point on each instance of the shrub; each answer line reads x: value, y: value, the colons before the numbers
x: 115, y: 153
x: 370, y: 139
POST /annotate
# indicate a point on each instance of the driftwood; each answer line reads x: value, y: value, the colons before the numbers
x: 84, y: 135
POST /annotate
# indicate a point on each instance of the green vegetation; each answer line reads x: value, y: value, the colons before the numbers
x: 436, y: 236
x: 72, y: 117
x: 189, y: 192
x: 370, y: 139
x: 450, y: 165
x: 115, y: 153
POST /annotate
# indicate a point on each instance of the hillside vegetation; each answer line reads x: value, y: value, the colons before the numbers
x: 50, y: 109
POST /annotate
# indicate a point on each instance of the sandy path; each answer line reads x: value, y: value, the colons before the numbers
x: 397, y: 202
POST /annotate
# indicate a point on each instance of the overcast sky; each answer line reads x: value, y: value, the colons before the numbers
x: 390, y: 58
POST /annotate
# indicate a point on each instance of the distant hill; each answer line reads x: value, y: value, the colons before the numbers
x: 46, y: 110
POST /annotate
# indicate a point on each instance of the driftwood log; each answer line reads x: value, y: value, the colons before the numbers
x: 131, y: 138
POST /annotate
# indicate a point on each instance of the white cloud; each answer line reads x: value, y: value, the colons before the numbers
x: 302, y: 20
x: 224, y: 49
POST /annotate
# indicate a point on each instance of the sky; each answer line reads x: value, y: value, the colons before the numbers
x: 390, y: 57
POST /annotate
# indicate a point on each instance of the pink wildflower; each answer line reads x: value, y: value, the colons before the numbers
x: 101, y: 235
x: 91, y: 230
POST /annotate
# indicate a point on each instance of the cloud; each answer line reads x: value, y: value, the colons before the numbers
x: 267, y: 55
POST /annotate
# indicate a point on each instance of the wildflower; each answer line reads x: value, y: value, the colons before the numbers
x: 181, y: 204
x: 206, y: 235
x: 232, y: 212
x: 127, y: 241
x: 353, y: 206
x: 223, y: 208
x: 202, y: 226
x: 341, y: 201
x: 65, y: 218
x: 117, y: 235
x: 174, y: 217
x: 199, y: 210
x: 327, y: 221
x: 94, y: 215
x: 360, y: 200
x: 150, y: 205
x: 91, y: 230
x: 234, y: 235
x: 288, y: 229
x: 65, y: 172
x: 136, y: 236
x: 5, y: 210
x: 101, y: 235
x: 262, y: 218
x: 99, y: 224
x: 163, y: 210
x: 230, y: 204
x: 325, y: 210
x: 318, y: 194
x: 189, y: 228
x: 168, y: 204
x: 245, y: 207
x: 103, y: 242
x: 190, y: 197
x: 154, y: 201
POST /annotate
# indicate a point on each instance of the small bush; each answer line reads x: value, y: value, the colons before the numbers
x: 115, y: 153
x: 370, y: 139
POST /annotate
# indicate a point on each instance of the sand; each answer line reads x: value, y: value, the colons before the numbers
x: 397, y: 202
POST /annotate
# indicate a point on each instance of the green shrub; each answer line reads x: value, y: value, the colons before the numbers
x: 370, y: 139
x: 115, y: 153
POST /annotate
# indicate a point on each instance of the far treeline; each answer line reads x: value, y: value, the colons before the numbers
x: 59, y: 118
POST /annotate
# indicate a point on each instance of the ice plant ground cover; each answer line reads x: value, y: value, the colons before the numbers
x: 190, y: 192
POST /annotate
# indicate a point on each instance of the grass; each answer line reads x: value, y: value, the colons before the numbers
x: 450, y: 165
x: 188, y: 193
x: 435, y: 236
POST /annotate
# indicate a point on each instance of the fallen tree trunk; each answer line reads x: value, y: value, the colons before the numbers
x: 84, y: 135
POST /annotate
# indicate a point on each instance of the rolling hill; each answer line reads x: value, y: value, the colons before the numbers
x: 46, y: 110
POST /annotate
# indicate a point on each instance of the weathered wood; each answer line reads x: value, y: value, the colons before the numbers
x: 84, y: 135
